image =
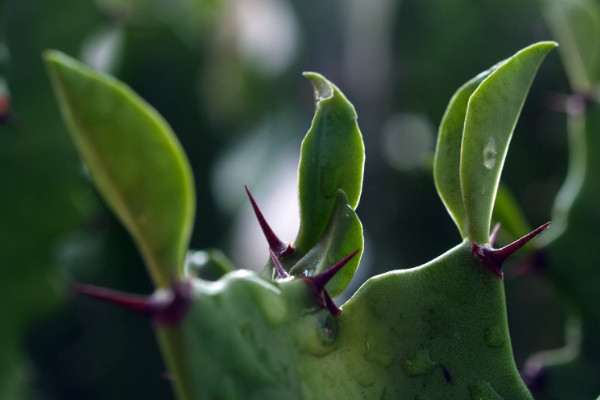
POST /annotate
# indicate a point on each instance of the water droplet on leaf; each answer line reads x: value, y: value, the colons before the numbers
x: 328, y: 330
x: 489, y: 154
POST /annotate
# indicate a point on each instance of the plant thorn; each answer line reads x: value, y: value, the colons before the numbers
x: 278, y: 267
x: 330, y: 305
x: 165, y: 306
x: 278, y: 247
x: 493, y: 258
x: 317, y: 284
x: 494, y: 234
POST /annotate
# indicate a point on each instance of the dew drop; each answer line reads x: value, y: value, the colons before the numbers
x: 418, y: 364
x: 328, y: 329
x: 494, y: 337
x: 489, y: 154
x: 316, y: 335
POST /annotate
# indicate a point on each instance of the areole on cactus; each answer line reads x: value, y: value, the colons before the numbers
x: 430, y: 332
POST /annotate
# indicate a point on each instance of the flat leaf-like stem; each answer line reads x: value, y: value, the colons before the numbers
x: 134, y: 159
x: 438, y: 331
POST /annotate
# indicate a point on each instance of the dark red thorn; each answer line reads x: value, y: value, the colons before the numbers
x: 494, y: 234
x: 275, y: 244
x: 331, y: 306
x: 493, y: 258
x: 510, y: 249
x: 320, y: 280
x: 165, y: 307
x: 278, y: 267
x: 139, y: 304
x: 317, y: 284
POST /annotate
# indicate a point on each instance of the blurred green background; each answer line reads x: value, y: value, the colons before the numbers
x: 226, y: 74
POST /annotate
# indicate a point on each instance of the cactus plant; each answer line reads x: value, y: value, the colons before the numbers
x: 430, y: 332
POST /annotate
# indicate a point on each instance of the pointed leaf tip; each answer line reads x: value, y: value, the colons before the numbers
x: 323, y: 88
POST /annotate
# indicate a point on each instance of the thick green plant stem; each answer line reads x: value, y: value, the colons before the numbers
x: 403, y: 334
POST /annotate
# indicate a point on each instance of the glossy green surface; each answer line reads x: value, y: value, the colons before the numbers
x: 446, y: 171
x: 487, y: 120
x: 403, y: 334
x: 332, y: 158
x: 134, y: 159
x: 342, y: 236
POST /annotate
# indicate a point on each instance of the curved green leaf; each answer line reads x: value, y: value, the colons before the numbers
x: 492, y: 113
x: 134, y: 159
x: 576, y: 26
x: 332, y: 158
x: 342, y: 236
x: 446, y: 164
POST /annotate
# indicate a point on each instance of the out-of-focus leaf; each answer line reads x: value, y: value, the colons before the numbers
x: 509, y: 214
x: 332, y: 158
x: 576, y: 26
x: 492, y: 113
x: 134, y: 158
x: 342, y: 236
